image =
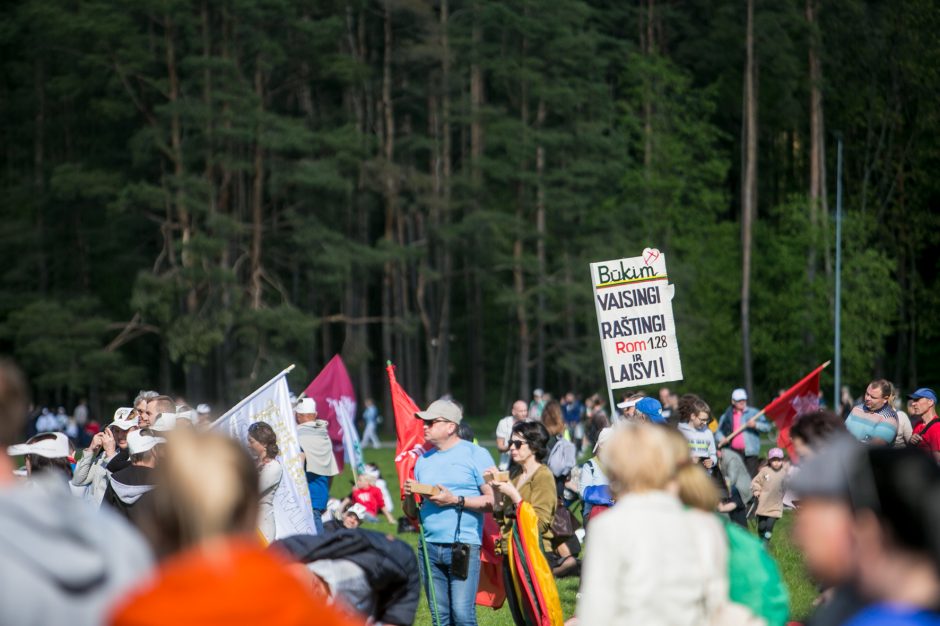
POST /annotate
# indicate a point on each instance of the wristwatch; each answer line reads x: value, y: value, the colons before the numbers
x: 460, y: 502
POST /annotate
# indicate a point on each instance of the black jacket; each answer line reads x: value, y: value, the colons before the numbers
x: 130, y: 490
x: 390, y: 566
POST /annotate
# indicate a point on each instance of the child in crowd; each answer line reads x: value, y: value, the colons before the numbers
x: 373, y: 470
x: 370, y: 496
x: 769, y: 487
x: 693, y: 425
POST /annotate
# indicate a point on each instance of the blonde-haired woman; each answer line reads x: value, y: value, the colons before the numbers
x: 649, y: 560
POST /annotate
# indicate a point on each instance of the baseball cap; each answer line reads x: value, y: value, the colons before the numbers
x: 306, y: 406
x: 443, y: 409
x: 829, y: 472
x: 123, y: 423
x: 122, y: 413
x: 538, y: 393
x: 164, y: 422
x: 54, y: 448
x: 186, y: 414
x: 203, y: 409
x: 652, y: 408
x: 358, y: 510
x: 738, y: 394
x: 775, y: 453
x: 603, y: 437
x: 923, y: 392
x: 138, y: 442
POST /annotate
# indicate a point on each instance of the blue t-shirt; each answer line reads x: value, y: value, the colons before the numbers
x: 460, y: 469
x: 893, y: 615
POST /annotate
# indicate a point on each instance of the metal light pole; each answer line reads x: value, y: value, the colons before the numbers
x: 838, y: 339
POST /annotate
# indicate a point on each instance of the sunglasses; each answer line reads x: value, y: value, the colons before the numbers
x: 516, y: 443
x: 430, y: 423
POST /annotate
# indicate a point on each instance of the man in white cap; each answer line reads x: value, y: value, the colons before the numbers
x: 91, y: 472
x: 319, y: 461
x: 454, y: 514
x: 131, y: 486
x: 747, y: 442
x: 61, y: 560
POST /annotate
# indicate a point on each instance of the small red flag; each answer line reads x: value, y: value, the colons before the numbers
x: 409, y: 429
x: 803, y: 397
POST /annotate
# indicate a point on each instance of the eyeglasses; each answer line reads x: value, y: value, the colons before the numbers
x: 430, y: 423
x: 517, y: 443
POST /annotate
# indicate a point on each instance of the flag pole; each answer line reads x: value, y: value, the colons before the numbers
x: 743, y: 426
x: 287, y: 370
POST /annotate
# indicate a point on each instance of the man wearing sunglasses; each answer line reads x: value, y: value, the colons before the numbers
x: 452, y: 519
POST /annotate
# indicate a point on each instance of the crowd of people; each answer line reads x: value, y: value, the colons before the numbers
x: 654, y: 505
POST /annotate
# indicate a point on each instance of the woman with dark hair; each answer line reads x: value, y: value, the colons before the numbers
x: 262, y: 442
x: 532, y: 482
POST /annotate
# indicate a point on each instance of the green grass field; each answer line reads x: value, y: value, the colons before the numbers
x: 802, y: 591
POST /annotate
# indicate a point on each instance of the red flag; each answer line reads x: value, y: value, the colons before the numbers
x: 409, y: 429
x: 333, y: 389
x: 491, y: 591
x: 803, y: 397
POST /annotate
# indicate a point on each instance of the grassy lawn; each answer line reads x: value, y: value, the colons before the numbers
x: 802, y: 591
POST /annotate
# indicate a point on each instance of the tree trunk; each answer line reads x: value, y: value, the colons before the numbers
x: 522, y: 318
x: 540, y: 250
x: 477, y: 369
x: 257, y: 196
x: 749, y: 197
x: 39, y: 177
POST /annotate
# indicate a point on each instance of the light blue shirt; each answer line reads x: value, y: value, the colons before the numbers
x: 460, y: 469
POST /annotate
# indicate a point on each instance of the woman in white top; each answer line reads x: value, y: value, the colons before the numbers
x: 649, y: 560
x: 262, y: 442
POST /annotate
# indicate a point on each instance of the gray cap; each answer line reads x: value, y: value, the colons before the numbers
x: 828, y: 474
x: 443, y: 409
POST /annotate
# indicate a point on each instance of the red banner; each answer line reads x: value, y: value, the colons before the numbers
x: 803, y: 397
x: 333, y: 389
x: 409, y: 429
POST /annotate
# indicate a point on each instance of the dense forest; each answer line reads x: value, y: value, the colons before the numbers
x: 198, y: 193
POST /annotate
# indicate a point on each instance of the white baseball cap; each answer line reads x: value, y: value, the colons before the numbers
x: 54, y: 448
x: 186, y: 414
x: 358, y: 510
x: 203, y: 409
x: 122, y: 413
x: 164, y: 422
x: 138, y: 442
x: 306, y: 406
x: 125, y: 424
x: 738, y: 394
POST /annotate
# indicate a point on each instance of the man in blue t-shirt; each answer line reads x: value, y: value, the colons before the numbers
x: 454, y: 514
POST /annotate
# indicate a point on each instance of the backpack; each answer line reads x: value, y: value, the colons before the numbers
x: 754, y: 577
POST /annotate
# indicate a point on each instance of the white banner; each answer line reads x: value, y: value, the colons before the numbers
x: 345, y: 409
x: 293, y: 514
x: 633, y: 299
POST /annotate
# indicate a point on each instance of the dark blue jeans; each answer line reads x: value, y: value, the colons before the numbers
x: 456, y: 599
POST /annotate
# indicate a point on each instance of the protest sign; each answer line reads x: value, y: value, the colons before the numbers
x: 633, y: 300
x: 293, y: 513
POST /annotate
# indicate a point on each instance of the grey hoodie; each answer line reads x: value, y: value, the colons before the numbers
x: 62, y: 561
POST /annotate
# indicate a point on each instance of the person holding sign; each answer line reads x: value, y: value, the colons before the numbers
x: 744, y: 441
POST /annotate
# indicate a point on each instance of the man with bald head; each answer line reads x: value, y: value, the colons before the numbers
x: 518, y: 413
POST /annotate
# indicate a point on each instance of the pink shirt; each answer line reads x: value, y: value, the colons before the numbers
x: 738, y: 442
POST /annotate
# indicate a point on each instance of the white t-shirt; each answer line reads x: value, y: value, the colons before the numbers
x: 503, y: 431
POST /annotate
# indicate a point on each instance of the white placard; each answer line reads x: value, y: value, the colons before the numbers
x: 633, y: 300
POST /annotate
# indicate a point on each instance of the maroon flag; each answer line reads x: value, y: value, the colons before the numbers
x: 333, y: 392
x: 803, y: 397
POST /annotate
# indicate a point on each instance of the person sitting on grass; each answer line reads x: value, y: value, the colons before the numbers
x: 768, y: 487
x: 352, y: 518
x: 370, y: 497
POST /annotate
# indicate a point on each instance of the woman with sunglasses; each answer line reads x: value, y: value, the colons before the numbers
x: 531, y: 481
